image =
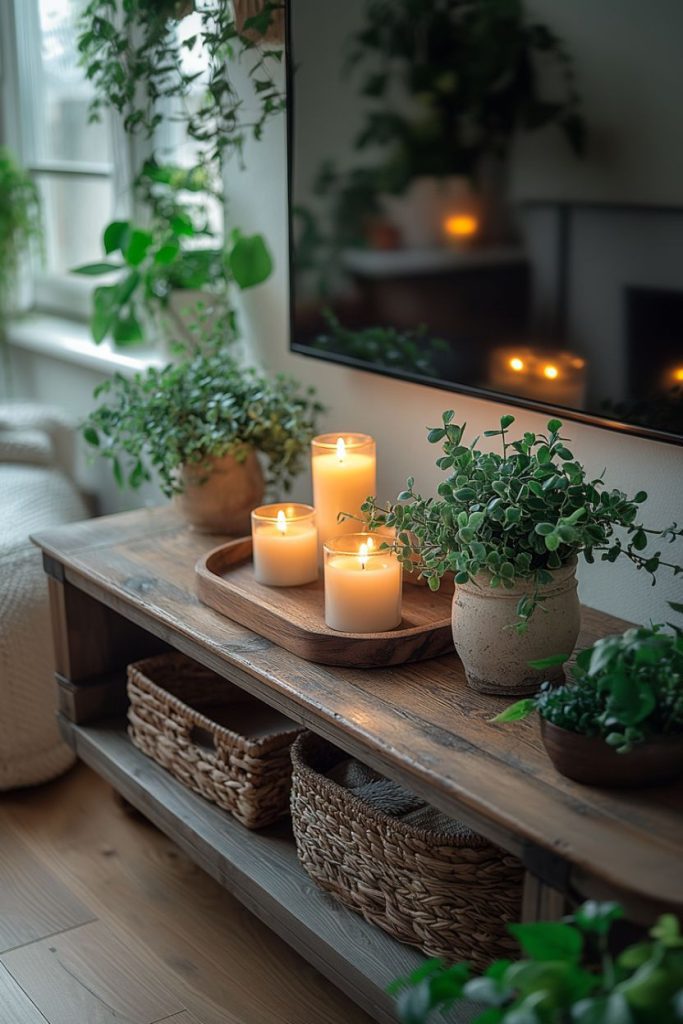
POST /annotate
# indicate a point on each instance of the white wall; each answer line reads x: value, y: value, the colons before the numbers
x: 396, y: 413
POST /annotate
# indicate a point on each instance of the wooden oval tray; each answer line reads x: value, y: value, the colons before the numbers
x: 293, y: 617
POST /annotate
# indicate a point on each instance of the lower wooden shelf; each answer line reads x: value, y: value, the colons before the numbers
x: 260, y: 868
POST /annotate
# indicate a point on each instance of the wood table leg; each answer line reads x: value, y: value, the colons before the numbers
x: 93, y: 645
x: 540, y: 902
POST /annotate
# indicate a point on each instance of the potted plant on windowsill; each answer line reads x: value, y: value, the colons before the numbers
x: 20, y: 229
x: 199, y: 426
x: 568, y: 975
x: 510, y: 526
x: 620, y: 721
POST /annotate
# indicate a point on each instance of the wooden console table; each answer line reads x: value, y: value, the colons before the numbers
x: 122, y: 587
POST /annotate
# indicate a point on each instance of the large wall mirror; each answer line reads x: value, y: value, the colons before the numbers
x: 487, y: 196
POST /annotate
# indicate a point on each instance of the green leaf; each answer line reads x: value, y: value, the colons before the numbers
x: 543, y: 529
x: 549, y: 941
x: 554, y: 426
x: 516, y: 712
x: 94, y: 269
x: 597, y: 917
x: 127, y: 331
x: 435, y: 435
x: 91, y: 436
x: 118, y: 472
x: 115, y: 235
x: 552, y: 542
x: 550, y: 662
x: 137, y: 244
x: 506, y: 421
x: 249, y: 261
x: 166, y: 254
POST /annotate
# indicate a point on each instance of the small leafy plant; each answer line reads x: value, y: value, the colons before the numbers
x: 382, y: 346
x: 568, y: 976
x: 626, y: 688
x: 178, y: 250
x: 204, y: 406
x: 514, y: 515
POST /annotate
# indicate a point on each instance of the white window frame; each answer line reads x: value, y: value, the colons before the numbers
x: 63, y: 294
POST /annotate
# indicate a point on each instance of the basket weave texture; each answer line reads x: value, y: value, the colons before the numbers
x: 174, y: 703
x: 447, y: 891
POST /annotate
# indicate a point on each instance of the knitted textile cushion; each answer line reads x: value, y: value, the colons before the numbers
x: 32, y: 498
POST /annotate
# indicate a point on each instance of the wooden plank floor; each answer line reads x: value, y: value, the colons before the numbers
x: 103, y: 919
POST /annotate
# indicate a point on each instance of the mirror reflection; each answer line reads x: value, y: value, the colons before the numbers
x: 488, y: 195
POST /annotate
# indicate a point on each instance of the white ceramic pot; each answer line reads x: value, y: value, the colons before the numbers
x: 222, y: 501
x: 495, y: 657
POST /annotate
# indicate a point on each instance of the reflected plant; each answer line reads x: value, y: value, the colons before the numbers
x: 21, y: 231
x: 411, y: 350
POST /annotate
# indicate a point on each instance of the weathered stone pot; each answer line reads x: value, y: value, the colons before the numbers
x: 495, y: 657
x: 219, y: 497
x: 588, y: 759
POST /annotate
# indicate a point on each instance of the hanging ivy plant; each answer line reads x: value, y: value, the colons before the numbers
x: 133, y: 53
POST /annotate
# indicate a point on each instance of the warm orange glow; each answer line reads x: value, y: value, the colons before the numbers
x: 363, y: 555
x: 550, y: 371
x: 516, y: 364
x: 461, y: 225
x: 281, y: 522
x: 341, y: 449
x: 678, y: 374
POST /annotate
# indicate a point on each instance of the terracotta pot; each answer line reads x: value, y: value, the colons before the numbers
x: 495, y: 657
x: 222, y: 501
x: 588, y: 759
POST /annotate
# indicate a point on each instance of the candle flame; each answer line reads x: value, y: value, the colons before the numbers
x: 516, y: 364
x: 281, y: 522
x: 550, y: 371
x: 678, y: 374
x: 341, y: 449
x: 363, y: 555
x: 461, y: 225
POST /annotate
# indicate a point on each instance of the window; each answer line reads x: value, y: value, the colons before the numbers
x: 72, y: 160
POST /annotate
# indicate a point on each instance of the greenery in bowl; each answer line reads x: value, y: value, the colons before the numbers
x: 626, y: 689
x: 20, y: 224
x: 568, y: 976
x: 513, y: 515
x: 204, y: 406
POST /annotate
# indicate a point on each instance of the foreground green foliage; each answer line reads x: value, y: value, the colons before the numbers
x: 568, y: 976
x: 206, y: 405
x: 513, y: 515
x: 626, y: 688
x: 20, y: 224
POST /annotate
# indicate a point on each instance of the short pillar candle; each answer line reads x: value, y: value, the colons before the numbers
x: 285, y: 545
x: 344, y: 475
x: 363, y: 585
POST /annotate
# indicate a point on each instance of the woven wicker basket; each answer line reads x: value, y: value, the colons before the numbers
x: 213, y: 737
x: 449, y: 892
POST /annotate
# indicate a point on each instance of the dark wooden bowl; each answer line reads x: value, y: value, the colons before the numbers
x: 588, y: 759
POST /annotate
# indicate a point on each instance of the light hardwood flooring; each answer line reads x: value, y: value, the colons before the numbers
x: 103, y: 920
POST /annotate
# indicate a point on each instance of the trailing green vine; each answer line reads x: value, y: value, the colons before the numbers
x: 133, y: 53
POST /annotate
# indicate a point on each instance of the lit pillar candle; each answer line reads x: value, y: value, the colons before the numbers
x: 362, y: 585
x: 344, y: 475
x: 285, y: 545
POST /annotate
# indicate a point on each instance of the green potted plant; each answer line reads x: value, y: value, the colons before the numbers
x: 20, y: 228
x: 568, y: 975
x: 510, y: 526
x: 199, y: 426
x: 176, y: 267
x: 619, y: 722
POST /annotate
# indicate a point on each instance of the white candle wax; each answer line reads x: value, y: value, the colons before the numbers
x: 342, y: 480
x: 362, y: 598
x: 285, y: 551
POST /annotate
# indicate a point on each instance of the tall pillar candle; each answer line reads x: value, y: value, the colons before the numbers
x: 344, y: 475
